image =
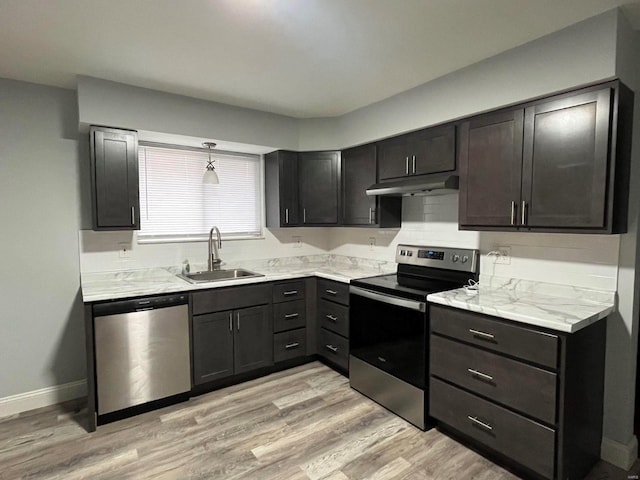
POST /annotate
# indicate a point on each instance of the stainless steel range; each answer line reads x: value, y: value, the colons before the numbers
x: 389, y: 326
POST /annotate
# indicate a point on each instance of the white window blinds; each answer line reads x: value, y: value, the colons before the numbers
x: 176, y: 205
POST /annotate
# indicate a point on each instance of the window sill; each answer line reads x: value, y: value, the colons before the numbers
x: 192, y: 238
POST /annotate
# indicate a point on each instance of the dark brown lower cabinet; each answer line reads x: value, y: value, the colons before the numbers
x: 231, y: 342
x: 333, y: 323
x: 537, y: 411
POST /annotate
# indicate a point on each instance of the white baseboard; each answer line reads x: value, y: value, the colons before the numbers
x: 42, y: 398
x: 619, y: 454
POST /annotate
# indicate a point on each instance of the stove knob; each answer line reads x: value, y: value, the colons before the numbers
x: 455, y: 257
x: 465, y: 259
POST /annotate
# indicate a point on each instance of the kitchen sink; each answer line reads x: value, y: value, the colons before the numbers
x: 218, y: 275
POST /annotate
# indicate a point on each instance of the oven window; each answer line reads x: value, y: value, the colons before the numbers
x: 389, y: 337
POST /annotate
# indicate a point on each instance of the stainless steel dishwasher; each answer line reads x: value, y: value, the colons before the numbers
x: 142, y: 351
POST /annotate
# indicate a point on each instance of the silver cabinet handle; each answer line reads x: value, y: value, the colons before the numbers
x: 513, y: 212
x: 484, y: 425
x: 406, y: 165
x: 230, y: 321
x: 290, y: 292
x: 414, y: 164
x: 292, y: 345
x: 332, y: 348
x: 291, y: 315
x: 333, y: 318
x: 481, y: 334
x: 331, y: 292
x: 371, y: 220
x: 304, y: 215
x: 524, y: 213
x: 133, y: 215
x: 238, y: 320
x: 286, y: 216
x: 479, y: 374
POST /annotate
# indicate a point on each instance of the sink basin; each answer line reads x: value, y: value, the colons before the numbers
x: 218, y: 275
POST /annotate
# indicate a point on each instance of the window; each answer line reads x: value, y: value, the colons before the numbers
x: 176, y: 205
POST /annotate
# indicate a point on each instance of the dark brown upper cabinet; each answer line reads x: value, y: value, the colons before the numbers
x: 430, y: 150
x: 114, y: 179
x: 281, y: 192
x: 319, y: 184
x: 359, y: 209
x: 559, y: 164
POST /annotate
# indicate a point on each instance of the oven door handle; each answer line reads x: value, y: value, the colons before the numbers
x: 381, y: 297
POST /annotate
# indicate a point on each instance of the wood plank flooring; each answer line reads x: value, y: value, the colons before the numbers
x: 303, y: 423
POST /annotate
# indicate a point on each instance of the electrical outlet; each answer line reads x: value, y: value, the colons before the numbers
x: 124, y: 250
x: 372, y: 242
x: 505, y: 255
x: 297, y: 241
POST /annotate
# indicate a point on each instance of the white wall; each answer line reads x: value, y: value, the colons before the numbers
x: 582, y: 53
x: 42, y: 333
x: 99, y: 251
x: 101, y: 102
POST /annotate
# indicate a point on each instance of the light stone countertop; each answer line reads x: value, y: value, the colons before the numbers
x: 152, y: 281
x: 558, y: 307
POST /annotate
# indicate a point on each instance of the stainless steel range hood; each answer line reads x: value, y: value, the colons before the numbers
x: 435, y: 184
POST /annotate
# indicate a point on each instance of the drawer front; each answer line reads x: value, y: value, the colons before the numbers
x: 518, y: 438
x: 334, y: 348
x: 289, y: 315
x: 288, y: 345
x: 493, y: 334
x: 526, y: 388
x: 334, y: 317
x: 334, y: 291
x: 230, y: 298
x: 286, y: 292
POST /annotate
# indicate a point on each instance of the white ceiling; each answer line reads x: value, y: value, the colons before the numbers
x: 303, y: 58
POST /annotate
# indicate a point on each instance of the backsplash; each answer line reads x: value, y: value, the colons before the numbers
x: 588, y: 261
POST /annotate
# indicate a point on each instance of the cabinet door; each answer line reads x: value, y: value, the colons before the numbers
x: 393, y: 158
x: 289, y: 209
x: 433, y: 150
x: 253, y: 344
x: 212, y: 347
x: 114, y: 179
x: 358, y: 173
x: 566, y: 160
x: 319, y: 177
x: 491, y: 169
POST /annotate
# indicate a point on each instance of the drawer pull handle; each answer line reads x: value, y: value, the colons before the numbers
x: 482, y: 334
x: 479, y: 374
x: 484, y: 425
x: 290, y: 292
x: 292, y: 345
x: 331, y: 292
x: 291, y: 315
x: 333, y: 318
x: 332, y: 348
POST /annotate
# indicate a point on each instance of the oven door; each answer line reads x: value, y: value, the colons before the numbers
x: 389, y: 333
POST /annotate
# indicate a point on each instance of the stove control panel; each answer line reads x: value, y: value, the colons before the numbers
x: 461, y: 259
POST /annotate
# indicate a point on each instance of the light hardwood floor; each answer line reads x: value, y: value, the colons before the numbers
x: 303, y: 423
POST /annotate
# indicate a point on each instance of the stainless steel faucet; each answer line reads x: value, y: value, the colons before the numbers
x: 214, y: 255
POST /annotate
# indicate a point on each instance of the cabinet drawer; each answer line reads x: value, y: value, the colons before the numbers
x: 334, y: 291
x: 497, y: 335
x: 334, y: 348
x: 289, y: 315
x: 523, y: 387
x: 334, y: 317
x: 219, y: 299
x: 285, y: 292
x: 518, y: 438
x: 289, y: 345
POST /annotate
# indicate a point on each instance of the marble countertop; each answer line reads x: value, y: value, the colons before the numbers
x: 558, y: 307
x: 134, y: 283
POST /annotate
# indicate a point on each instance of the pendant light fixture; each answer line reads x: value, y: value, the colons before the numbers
x: 210, y: 176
